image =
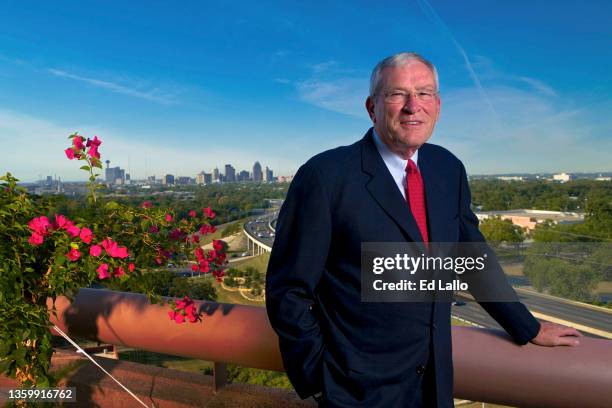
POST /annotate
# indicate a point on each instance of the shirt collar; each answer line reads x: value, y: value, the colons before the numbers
x: 395, y: 163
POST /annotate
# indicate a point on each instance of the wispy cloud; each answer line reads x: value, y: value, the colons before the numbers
x: 538, y: 86
x: 335, y: 88
x: 488, y: 71
x: 154, y: 95
x: 343, y: 95
x: 536, y: 134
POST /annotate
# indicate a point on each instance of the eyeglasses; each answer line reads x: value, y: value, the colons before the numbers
x: 403, y: 96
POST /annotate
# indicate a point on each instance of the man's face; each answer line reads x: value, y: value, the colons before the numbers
x: 406, y: 125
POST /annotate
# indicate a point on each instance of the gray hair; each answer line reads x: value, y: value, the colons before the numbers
x: 402, y: 58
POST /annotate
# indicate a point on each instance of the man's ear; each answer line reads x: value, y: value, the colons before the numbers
x: 369, y: 104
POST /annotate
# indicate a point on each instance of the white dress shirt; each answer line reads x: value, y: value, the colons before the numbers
x: 395, y: 164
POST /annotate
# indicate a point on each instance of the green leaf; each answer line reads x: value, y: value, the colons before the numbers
x: 86, y: 168
x: 112, y: 205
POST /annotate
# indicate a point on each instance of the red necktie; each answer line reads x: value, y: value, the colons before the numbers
x: 415, y: 194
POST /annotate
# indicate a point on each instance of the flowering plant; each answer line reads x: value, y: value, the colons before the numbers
x: 45, y: 254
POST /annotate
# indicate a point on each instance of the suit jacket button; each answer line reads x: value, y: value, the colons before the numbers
x: 433, y: 326
x: 420, y: 369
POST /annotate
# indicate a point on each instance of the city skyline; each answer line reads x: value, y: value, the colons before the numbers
x: 167, y: 88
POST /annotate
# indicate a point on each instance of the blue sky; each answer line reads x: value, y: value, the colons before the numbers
x: 180, y: 87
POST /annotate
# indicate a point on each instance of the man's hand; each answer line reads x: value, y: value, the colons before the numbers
x: 552, y: 334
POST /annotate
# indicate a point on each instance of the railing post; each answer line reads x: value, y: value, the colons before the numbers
x: 220, y: 376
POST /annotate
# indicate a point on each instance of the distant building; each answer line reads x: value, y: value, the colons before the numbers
x: 184, y: 181
x: 257, y: 174
x: 268, y: 175
x: 528, y: 219
x: 207, y: 178
x: 200, y: 178
x: 151, y: 179
x: 285, y: 179
x: 114, y: 175
x: 243, y: 176
x: 215, y: 176
x: 562, y: 177
x: 168, y: 179
x: 230, y: 173
x: 510, y: 178
x: 603, y: 178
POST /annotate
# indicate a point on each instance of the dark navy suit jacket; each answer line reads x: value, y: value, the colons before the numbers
x: 358, y: 353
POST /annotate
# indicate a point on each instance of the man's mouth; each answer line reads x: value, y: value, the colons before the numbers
x: 411, y: 123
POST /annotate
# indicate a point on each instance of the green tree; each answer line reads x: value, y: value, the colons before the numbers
x: 498, y: 230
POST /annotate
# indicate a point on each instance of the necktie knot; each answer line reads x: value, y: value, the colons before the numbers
x: 411, y: 168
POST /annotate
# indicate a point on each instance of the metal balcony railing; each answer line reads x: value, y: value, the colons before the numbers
x: 488, y: 366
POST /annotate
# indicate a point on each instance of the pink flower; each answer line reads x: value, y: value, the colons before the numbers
x: 204, y: 266
x: 73, y: 230
x: 106, y: 244
x: 120, y: 252
x: 218, y: 245
x: 95, y: 250
x: 93, y: 152
x: 113, y: 249
x: 208, y: 213
x: 147, y: 204
x: 95, y: 142
x: 40, y: 225
x: 69, y: 153
x: 199, y: 253
x: 119, y: 271
x: 61, y: 220
x: 193, y: 214
x: 176, y: 234
x: 194, y: 267
x: 131, y: 267
x: 103, y: 271
x: 86, y: 235
x: 77, y: 142
x: 195, y: 238
x: 172, y: 314
x: 168, y: 217
x: 36, y: 239
x: 73, y: 254
x: 181, y: 304
x: 179, y: 318
x: 205, y: 229
x: 154, y: 229
x: 191, y: 313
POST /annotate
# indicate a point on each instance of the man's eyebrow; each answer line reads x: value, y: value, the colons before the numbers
x: 426, y: 88
x: 418, y: 88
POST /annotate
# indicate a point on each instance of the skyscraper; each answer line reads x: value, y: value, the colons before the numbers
x: 168, y: 179
x: 268, y: 175
x: 230, y: 173
x: 113, y: 175
x: 257, y: 175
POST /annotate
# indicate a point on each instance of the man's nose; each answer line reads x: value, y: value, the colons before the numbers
x: 412, y: 104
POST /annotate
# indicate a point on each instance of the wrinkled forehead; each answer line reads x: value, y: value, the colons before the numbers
x: 413, y: 74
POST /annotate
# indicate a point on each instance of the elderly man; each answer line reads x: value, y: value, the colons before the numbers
x: 391, y: 186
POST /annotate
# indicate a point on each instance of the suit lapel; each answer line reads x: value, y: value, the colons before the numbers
x: 383, y: 189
